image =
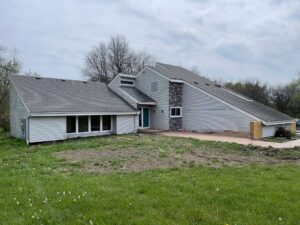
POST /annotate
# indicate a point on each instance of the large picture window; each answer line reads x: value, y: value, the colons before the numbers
x: 71, y: 124
x: 175, y: 112
x: 106, y: 122
x: 83, y: 123
x: 95, y: 123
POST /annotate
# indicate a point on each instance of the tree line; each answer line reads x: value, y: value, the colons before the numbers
x: 9, y: 65
x: 285, y: 98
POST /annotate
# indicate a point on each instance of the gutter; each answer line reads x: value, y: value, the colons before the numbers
x: 147, y: 103
x: 82, y: 113
x: 176, y: 81
x: 277, y: 122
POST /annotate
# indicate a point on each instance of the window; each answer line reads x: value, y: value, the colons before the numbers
x: 71, y: 124
x: 154, y: 86
x: 83, y: 123
x: 95, y: 123
x: 106, y: 122
x: 127, y: 82
x: 175, y: 112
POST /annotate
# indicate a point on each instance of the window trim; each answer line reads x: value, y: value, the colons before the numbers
x: 175, y: 116
x: 90, y: 125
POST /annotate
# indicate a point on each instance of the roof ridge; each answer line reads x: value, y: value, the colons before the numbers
x: 54, y: 78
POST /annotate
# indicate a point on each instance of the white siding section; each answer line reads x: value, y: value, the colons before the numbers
x: 202, y: 112
x: 159, y: 115
x: 17, y: 113
x: 47, y: 129
x: 269, y: 131
x: 115, y: 86
x: 126, y: 124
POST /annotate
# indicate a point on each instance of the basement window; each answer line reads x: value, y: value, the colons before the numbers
x: 95, y: 123
x: 71, y: 124
x: 176, y: 112
x: 106, y: 122
x: 83, y: 123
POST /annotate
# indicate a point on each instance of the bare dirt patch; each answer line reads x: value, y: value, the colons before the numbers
x: 139, y: 159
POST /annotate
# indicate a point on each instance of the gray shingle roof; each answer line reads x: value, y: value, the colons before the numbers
x: 50, y: 95
x: 252, y: 107
x: 137, y: 94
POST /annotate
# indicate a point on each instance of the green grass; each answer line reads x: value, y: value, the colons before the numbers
x: 34, y: 189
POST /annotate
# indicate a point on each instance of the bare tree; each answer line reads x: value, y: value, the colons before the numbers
x: 8, y: 66
x: 196, y: 70
x: 105, y: 61
x: 119, y: 54
x: 32, y: 73
x: 96, y: 64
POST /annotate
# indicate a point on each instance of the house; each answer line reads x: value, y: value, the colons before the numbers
x: 162, y: 96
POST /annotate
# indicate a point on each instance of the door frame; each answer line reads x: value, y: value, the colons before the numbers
x: 142, y: 117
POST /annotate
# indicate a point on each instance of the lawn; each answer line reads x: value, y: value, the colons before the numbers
x: 147, y: 179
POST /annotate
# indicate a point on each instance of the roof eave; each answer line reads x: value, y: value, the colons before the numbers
x: 42, y: 114
x: 270, y: 123
x: 147, y: 103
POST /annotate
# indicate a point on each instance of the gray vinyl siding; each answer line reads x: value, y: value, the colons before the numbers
x: 159, y: 115
x: 115, y: 86
x: 18, y: 112
x: 47, y: 129
x: 126, y: 124
x: 202, y: 112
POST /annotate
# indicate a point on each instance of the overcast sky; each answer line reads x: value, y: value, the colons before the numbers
x: 225, y: 39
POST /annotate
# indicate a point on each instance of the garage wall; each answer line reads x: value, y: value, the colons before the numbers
x: 127, y: 124
x: 201, y: 112
x: 47, y: 129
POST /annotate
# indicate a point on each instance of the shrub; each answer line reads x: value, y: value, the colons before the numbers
x: 282, y: 132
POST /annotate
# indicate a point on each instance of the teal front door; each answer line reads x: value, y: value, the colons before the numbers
x: 146, y: 117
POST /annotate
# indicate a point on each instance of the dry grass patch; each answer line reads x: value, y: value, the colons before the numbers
x: 140, y: 157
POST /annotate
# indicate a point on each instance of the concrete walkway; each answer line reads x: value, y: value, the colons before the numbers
x: 238, y: 140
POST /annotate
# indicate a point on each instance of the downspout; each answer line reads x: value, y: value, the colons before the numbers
x: 28, y: 131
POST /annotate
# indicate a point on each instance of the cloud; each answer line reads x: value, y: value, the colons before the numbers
x: 226, y: 39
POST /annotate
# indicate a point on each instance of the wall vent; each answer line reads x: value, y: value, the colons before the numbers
x: 154, y: 86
